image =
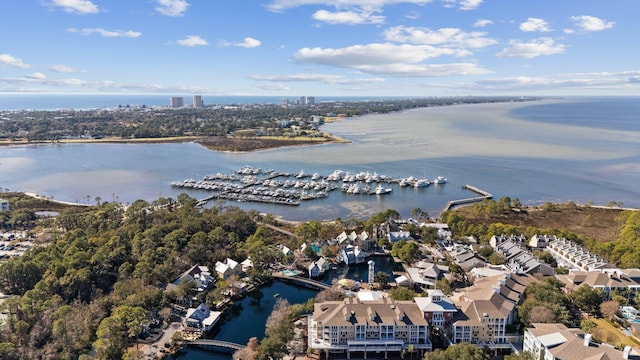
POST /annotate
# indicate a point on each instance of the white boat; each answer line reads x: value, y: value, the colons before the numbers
x: 421, y: 183
x: 380, y: 190
x: 439, y: 180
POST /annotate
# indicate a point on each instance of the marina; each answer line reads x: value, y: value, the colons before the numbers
x: 268, y: 186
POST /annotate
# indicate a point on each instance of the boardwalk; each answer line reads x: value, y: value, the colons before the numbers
x: 215, y: 344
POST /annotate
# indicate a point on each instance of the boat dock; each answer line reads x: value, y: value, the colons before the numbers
x: 484, y: 195
x: 268, y: 186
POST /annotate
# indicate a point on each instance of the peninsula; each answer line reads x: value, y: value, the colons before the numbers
x: 233, y: 127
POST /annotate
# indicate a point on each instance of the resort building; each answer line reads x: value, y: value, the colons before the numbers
x: 201, y: 318
x: 519, y: 260
x: 572, y: 255
x: 556, y: 341
x: 606, y: 280
x: 381, y: 326
x: 426, y: 274
x: 437, y: 309
x: 227, y: 268
x: 486, y: 308
x: 352, y: 255
x: 200, y: 275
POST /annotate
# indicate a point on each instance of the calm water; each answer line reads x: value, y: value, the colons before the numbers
x: 248, y: 317
x: 538, y: 152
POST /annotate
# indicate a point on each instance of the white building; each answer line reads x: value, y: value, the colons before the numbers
x: 378, y: 326
x: 4, y: 205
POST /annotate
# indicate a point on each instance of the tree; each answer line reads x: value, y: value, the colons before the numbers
x: 402, y: 293
x: 457, y: 352
x: 587, y: 299
x: 609, y: 309
x: 522, y: 355
x: 381, y: 278
x: 541, y: 314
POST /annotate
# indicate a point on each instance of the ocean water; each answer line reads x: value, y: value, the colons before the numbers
x: 550, y: 150
x: 15, y: 101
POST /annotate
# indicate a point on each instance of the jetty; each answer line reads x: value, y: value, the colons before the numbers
x: 484, y: 195
x: 215, y: 345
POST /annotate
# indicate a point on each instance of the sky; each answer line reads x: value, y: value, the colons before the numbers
x: 321, y: 47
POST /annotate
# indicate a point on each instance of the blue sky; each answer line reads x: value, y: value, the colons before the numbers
x: 321, y: 47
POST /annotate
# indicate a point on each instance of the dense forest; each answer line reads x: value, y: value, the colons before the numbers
x: 148, y: 122
x: 99, y: 279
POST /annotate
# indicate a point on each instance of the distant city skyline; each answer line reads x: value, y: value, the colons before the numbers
x: 321, y: 47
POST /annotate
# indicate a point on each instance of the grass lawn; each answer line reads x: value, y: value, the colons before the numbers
x: 622, y: 339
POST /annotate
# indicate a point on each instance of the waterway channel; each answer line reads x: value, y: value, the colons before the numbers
x: 247, y: 317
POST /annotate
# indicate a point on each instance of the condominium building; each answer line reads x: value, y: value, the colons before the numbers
x: 381, y: 326
x: 486, y: 308
x: 556, y: 341
x: 177, y: 101
x: 197, y: 101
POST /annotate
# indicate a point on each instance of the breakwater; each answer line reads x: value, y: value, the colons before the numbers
x: 484, y: 195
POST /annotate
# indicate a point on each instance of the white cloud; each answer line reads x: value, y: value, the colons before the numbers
x: 370, y: 54
x: 535, y: 24
x: 105, y: 32
x: 172, y: 7
x: 62, y: 69
x: 426, y: 70
x: 248, y: 43
x: 274, y: 87
x: 533, y: 48
x: 280, y: 5
x: 327, y: 79
x: 9, y: 60
x: 192, y: 40
x: 81, y: 7
x: 482, y: 23
x: 348, y: 17
x: 36, y: 76
x: 390, y: 59
x: 572, y: 82
x: 413, y: 15
x: 591, y: 23
x: 447, y: 37
x: 469, y: 4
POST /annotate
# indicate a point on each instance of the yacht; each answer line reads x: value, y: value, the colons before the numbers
x: 380, y: 190
x: 421, y: 183
x: 439, y: 180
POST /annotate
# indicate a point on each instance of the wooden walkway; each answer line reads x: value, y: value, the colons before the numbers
x: 314, y: 284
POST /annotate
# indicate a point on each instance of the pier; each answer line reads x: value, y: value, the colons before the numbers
x: 484, y: 195
x: 215, y: 345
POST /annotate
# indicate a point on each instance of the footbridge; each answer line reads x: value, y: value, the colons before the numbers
x: 215, y: 345
x: 298, y: 280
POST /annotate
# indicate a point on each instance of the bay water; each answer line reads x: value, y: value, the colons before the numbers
x: 558, y: 150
